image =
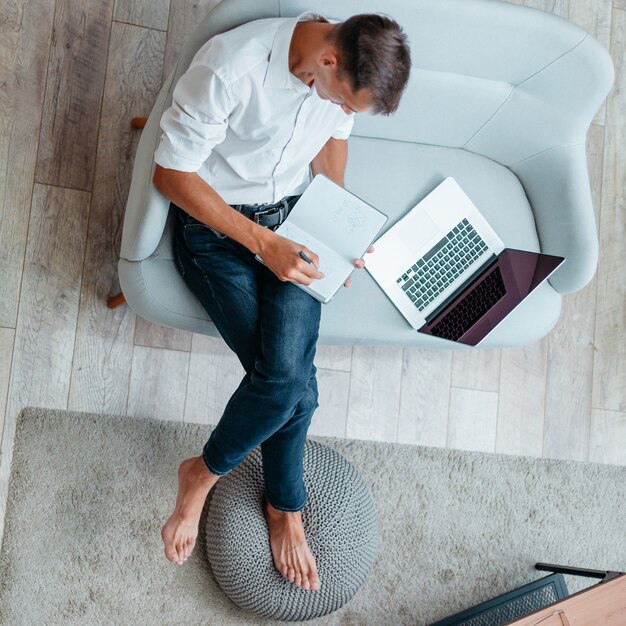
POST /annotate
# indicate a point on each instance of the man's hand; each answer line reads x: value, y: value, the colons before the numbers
x: 281, y: 256
x: 358, y: 263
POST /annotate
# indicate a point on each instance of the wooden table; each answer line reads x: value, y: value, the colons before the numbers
x: 603, y: 604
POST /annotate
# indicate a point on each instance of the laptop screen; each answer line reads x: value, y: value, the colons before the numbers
x: 491, y: 296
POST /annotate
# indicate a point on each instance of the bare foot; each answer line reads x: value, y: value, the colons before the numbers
x: 291, y: 553
x: 181, y: 529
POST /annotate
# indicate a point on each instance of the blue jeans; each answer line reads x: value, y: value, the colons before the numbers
x: 272, y: 327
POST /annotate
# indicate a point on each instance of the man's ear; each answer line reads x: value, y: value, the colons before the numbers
x: 328, y: 58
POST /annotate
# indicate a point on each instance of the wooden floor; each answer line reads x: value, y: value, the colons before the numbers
x: 74, y: 72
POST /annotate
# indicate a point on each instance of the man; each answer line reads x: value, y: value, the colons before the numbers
x: 259, y: 107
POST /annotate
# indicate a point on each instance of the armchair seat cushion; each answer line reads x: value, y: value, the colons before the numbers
x: 362, y: 313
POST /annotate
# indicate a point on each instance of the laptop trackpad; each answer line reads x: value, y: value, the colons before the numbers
x: 417, y: 230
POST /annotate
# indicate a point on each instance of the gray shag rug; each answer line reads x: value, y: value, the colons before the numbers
x: 89, y: 494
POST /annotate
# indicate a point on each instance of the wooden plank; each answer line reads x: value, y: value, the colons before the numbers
x: 214, y: 374
x: 374, y: 397
x: 609, y: 376
x: 558, y: 7
x: 569, y: 377
x: 521, y: 405
x: 147, y: 13
x: 608, y: 437
x: 425, y: 397
x: 333, y: 358
x: 595, y: 165
x: 158, y: 384
x: 154, y: 336
x: 330, y: 418
x: 104, y: 338
x: 25, y: 30
x: 44, y: 337
x: 476, y: 369
x: 184, y: 18
x: 76, y: 71
x: 473, y: 419
x: 7, y: 339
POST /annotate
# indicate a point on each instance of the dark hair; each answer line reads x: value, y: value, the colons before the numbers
x: 374, y: 54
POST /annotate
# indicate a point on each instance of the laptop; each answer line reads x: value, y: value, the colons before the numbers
x: 448, y: 272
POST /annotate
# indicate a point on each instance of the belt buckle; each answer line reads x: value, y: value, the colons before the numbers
x: 281, y: 211
x: 257, y: 215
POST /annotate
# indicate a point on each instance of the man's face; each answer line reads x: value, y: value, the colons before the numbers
x: 330, y: 87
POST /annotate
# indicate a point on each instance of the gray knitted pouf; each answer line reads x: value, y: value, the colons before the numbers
x: 340, y: 526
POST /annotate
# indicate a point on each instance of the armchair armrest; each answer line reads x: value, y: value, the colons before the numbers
x: 146, y: 209
x: 556, y: 183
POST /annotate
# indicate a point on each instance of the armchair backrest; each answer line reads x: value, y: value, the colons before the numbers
x: 498, y: 79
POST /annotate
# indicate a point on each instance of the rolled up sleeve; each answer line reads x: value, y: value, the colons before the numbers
x: 196, y: 122
x: 344, y: 129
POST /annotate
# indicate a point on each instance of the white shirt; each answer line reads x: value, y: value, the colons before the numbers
x: 243, y: 122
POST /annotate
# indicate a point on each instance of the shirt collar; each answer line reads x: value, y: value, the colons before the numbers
x: 278, y: 75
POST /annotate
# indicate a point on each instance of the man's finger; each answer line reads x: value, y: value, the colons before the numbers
x: 308, y: 270
x: 313, y: 257
x: 360, y: 263
x: 347, y: 283
x: 301, y: 279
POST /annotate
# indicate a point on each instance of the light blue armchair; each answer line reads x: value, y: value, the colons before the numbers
x: 500, y: 97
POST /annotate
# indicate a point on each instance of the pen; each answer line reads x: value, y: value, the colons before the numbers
x: 306, y: 258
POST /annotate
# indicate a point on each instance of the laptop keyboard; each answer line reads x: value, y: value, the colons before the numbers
x: 442, y: 264
x: 471, y: 308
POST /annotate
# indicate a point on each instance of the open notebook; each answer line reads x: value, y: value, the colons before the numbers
x: 335, y: 224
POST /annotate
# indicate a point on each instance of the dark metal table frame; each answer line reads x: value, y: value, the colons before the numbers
x: 555, y: 581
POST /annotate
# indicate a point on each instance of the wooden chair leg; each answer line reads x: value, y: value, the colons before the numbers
x: 115, y: 301
x: 138, y: 122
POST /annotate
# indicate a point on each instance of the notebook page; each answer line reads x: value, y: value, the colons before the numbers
x: 330, y: 213
x: 335, y: 268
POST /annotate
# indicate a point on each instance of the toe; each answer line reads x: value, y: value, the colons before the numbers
x: 189, y: 548
x: 298, y: 579
x: 291, y: 574
x: 305, y: 582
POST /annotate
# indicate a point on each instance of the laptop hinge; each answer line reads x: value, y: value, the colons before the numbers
x: 466, y: 285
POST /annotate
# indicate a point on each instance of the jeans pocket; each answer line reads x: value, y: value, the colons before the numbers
x: 200, y: 237
x: 200, y: 227
x: 217, y: 233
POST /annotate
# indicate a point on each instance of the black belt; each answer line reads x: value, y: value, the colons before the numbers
x: 268, y: 215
